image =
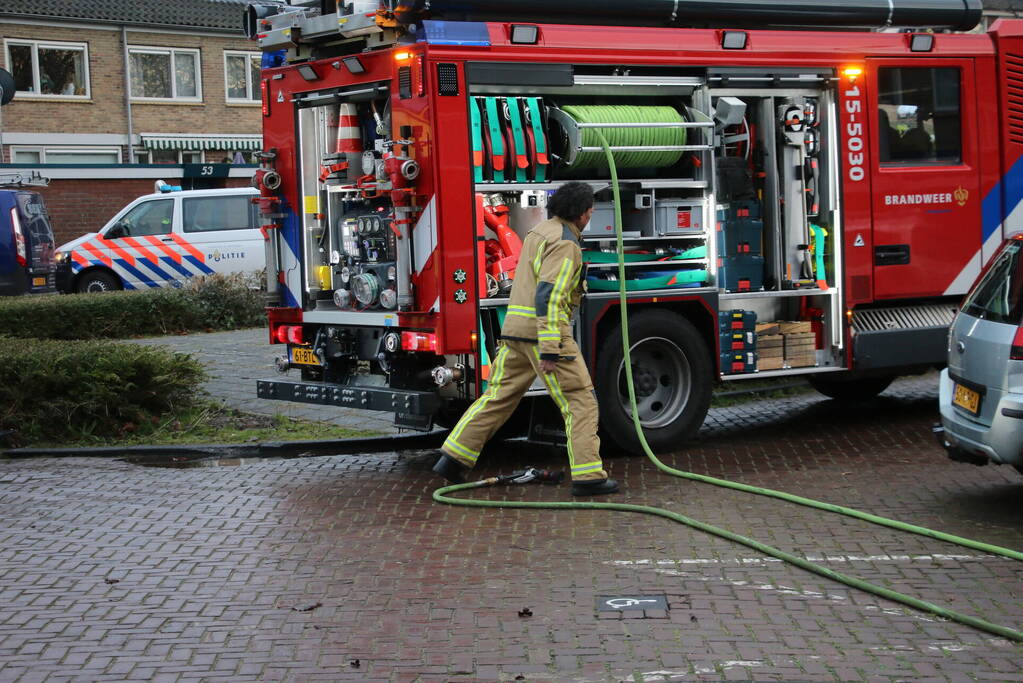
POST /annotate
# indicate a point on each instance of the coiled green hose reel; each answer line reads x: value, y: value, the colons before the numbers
x: 576, y: 136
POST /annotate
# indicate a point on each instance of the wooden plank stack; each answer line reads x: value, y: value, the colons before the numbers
x: 785, y: 344
x: 770, y: 347
x: 800, y: 344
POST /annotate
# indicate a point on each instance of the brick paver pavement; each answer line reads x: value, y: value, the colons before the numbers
x: 341, y: 568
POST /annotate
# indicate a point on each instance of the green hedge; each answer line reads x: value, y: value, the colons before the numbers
x: 54, y: 389
x: 216, y: 302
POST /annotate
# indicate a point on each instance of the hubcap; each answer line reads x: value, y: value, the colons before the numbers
x: 663, y: 380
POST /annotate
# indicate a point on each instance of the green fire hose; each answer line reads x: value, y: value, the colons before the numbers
x: 441, y: 495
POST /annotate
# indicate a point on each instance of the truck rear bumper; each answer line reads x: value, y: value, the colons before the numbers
x: 402, y: 401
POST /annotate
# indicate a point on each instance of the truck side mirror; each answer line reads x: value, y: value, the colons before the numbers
x: 7, y: 86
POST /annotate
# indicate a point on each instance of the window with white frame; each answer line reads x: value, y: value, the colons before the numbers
x: 26, y: 155
x: 167, y: 156
x: 161, y: 73
x: 49, y: 69
x: 65, y: 155
x: 241, y: 76
x: 164, y: 156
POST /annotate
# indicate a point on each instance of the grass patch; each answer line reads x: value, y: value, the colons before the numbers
x: 207, y: 422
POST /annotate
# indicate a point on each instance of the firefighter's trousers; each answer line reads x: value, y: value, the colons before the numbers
x: 516, y: 365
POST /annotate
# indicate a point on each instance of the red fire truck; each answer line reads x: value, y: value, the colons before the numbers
x: 807, y: 189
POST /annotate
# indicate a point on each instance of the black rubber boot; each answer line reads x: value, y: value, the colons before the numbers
x: 594, y: 488
x: 451, y: 469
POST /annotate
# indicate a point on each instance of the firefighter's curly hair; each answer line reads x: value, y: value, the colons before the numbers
x: 571, y: 201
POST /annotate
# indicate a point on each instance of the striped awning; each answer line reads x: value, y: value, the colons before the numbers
x: 198, y: 142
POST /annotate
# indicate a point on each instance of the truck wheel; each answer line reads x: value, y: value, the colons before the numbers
x: 97, y: 281
x: 852, y: 389
x: 673, y: 376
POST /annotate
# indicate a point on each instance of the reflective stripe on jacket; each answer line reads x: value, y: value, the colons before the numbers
x: 547, y: 289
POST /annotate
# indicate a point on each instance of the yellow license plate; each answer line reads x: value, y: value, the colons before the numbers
x: 967, y: 399
x: 304, y: 357
x: 38, y: 281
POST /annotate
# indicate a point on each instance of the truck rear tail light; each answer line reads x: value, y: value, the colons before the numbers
x: 288, y: 334
x: 1016, y: 353
x: 20, y: 250
x: 418, y: 341
x: 281, y: 317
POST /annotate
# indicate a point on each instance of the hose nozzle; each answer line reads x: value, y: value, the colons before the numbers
x: 531, y: 474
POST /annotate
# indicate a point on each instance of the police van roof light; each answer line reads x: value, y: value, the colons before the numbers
x: 161, y: 186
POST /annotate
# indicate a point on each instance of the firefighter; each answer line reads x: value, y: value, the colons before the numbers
x: 537, y: 340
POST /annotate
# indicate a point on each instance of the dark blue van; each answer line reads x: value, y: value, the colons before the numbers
x: 27, y: 264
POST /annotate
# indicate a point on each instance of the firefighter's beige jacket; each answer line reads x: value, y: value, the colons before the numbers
x: 549, y: 282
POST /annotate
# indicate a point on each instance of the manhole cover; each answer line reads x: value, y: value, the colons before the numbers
x: 620, y: 603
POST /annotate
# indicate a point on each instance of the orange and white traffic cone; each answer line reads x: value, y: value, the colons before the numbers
x: 346, y: 161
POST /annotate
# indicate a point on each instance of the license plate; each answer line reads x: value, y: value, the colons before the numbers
x: 304, y: 357
x: 967, y: 399
x: 38, y: 282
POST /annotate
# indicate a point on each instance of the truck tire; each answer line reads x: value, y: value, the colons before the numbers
x: 97, y: 281
x: 673, y: 377
x: 850, y: 389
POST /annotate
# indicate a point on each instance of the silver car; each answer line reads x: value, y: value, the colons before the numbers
x: 981, y: 392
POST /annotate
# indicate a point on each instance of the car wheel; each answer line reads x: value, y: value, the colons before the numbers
x: 853, y: 389
x: 672, y: 374
x: 97, y: 281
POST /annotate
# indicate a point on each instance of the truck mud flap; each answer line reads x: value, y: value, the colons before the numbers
x: 405, y: 401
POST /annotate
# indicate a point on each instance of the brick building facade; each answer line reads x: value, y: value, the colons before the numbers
x: 114, y: 94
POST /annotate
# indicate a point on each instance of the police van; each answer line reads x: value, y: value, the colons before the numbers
x: 165, y: 238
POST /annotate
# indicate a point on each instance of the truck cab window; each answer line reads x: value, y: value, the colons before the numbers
x: 919, y: 120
